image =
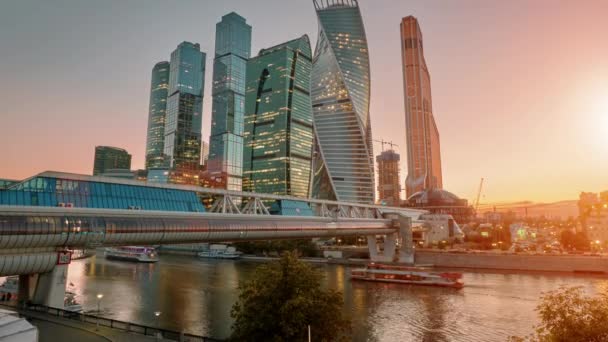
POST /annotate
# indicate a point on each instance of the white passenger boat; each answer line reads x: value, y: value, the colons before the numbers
x: 220, y: 252
x: 10, y: 288
x: 407, y: 275
x: 132, y: 253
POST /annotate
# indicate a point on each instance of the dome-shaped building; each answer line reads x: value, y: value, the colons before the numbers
x: 438, y: 201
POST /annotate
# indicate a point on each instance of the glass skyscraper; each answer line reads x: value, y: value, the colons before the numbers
x: 423, y: 148
x: 156, y: 118
x: 183, y: 122
x: 278, y: 120
x: 232, y: 50
x: 110, y: 158
x: 340, y: 90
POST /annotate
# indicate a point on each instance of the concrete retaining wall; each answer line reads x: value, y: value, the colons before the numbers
x: 557, y: 263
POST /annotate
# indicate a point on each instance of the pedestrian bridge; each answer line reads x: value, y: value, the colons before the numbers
x: 44, y: 217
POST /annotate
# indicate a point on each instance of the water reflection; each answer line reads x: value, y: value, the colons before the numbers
x: 196, y: 296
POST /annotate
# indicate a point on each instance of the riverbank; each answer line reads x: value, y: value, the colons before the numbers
x: 597, y: 265
x: 515, y: 262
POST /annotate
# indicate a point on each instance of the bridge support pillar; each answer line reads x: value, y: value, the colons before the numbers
x: 45, y: 288
x: 388, y: 248
x: 406, y: 249
x: 50, y: 290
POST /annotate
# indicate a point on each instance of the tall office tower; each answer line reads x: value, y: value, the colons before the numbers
x: 232, y: 50
x: 205, y: 153
x: 183, y: 122
x: 423, y: 150
x: 110, y: 158
x: 156, y: 117
x: 278, y: 120
x: 389, y: 186
x: 340, y: 89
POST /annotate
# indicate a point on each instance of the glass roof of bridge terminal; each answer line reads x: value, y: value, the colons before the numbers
x: 52, y: 190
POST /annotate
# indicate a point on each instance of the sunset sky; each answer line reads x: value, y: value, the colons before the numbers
x: 520, y: 87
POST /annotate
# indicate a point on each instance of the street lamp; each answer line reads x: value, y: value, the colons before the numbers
x: 159, y: 334
x: 99, y: 296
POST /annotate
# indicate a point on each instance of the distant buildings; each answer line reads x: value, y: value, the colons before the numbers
x: 593, y: 213
x: 278, y: 120
x: 110, y: 158
x: 423, y: 148
x: 389, y: 186
x: 438, y: 201
x: 340, y: 90
x: 156, y: 117
x: 232, y: 50
x: 183, y: 122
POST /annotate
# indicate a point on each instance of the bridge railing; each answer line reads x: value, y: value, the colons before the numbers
x: 116, y: 324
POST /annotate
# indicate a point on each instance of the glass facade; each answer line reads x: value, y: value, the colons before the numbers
x: 340, y: 90
x: 278, y: 120
x: 110, y: 158
x: 291, y: 208
x: 232, y: 50
x: 156, y: 118
x: 52, y: 192
x: 423, y: 148
x: 183, y: 122
x: 5, y: 183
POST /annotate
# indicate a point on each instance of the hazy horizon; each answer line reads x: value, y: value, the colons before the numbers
x: 520, y: 88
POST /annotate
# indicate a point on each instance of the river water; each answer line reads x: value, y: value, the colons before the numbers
x: 196, y: 296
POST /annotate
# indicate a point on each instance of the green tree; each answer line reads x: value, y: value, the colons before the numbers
x: 282, y: 299
x: 568, y: 315
x: 578, y: 241
x: 305, y: 247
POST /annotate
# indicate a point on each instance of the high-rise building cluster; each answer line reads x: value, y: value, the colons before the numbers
x: 286, y: 121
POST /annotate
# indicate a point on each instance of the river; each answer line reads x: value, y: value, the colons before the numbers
x: 196, y: 296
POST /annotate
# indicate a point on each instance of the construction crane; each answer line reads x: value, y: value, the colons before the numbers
x: 478, y: 194
x: 386, y: 143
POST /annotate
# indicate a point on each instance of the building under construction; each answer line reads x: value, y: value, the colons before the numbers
x: 389, y: 187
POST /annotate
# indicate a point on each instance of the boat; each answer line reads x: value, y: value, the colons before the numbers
x: 70, y: 304
x: 220, y: 252
x: 407, y: 275
x: 132, y: 253
x: 9, y: 289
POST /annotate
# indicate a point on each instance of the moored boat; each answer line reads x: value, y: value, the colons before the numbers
x: 220, y: 252
x: 9, y: 289
x: 70, y: 303
x: 407, y: 275
x: 132, y: 253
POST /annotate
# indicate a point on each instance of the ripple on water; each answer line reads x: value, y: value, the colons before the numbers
x: 196, y: 296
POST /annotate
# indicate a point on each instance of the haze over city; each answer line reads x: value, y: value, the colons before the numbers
x: 520, y: 88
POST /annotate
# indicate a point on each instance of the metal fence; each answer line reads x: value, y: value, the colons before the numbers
x: 119, y: 325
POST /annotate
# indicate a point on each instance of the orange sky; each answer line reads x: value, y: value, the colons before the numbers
x: 520, y: 88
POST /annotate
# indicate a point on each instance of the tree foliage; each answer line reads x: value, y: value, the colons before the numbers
x: 282, y: 299
x: 568, y: 315
x: 305, y: 247
x: 571, y: 240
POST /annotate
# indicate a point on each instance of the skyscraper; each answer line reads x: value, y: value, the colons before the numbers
x: 340, y: 89
x: 278, y: 120
x: 389, y: 186
x: 156, y: 118
x: 423, y: 149
x: 110, y: 158
x: 232, y: 50
x: 183, y: 122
